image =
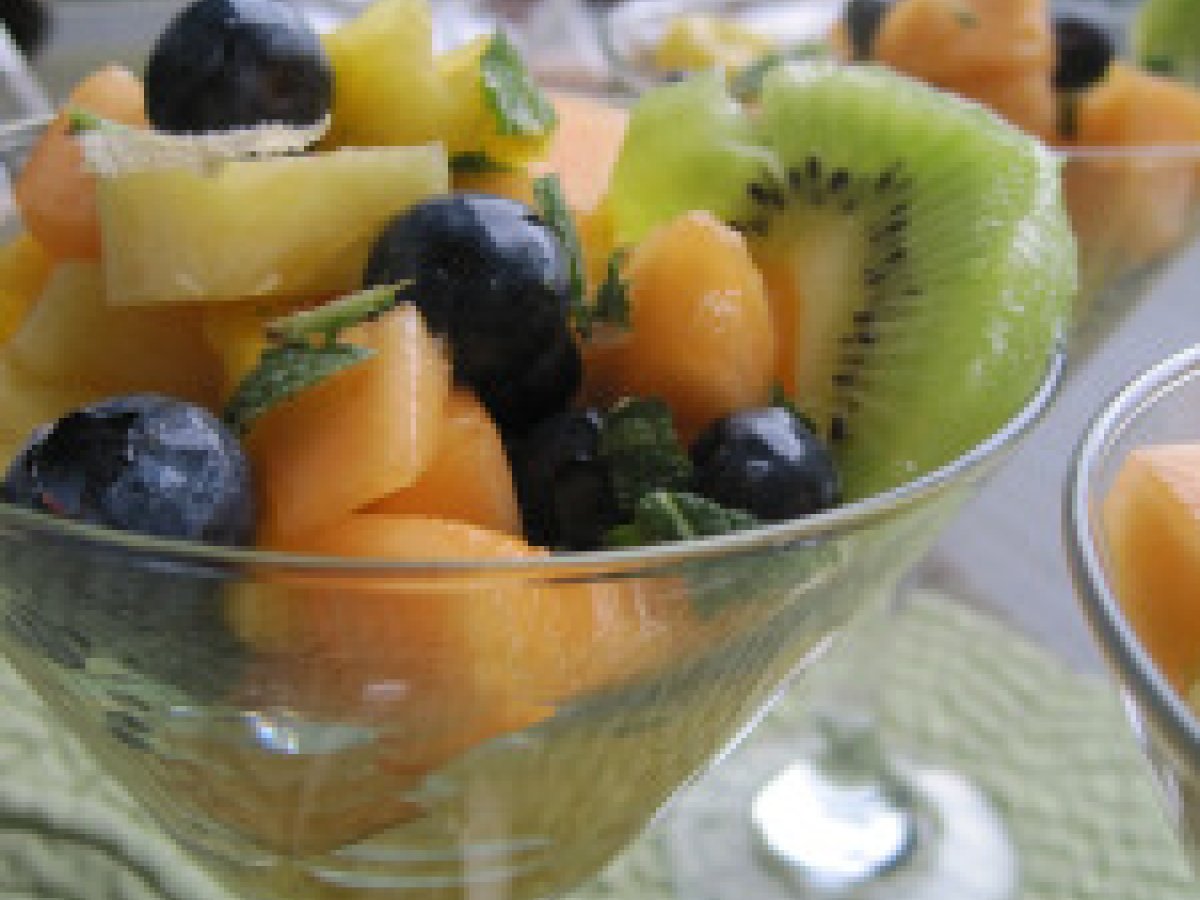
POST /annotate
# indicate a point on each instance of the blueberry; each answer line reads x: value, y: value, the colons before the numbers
x: 766, y: 462
x: 1084, y: 51
x: 141, y: 463
x: 863, y: 18
x: 564, y: 485
x: 28, y: 22
x: 489, y: 274
x: 223, y: 64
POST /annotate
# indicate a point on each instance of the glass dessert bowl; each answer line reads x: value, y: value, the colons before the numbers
x: 405, y: 699
x: 1069, y: 72
x: 1149, y: 641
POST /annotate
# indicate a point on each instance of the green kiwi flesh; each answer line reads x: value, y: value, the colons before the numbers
x: 916, y: 250
x: 1166, y: 37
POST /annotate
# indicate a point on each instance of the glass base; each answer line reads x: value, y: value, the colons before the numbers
x: 774, y: 825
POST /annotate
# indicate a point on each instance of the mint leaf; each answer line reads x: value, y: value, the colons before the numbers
x: 476, y: 162
x: 510, y: 93
x: 326, y: 321
x: 611, y: 303
x: 552, y: 205
x: 283, y: 372
x: 80, y: 120
x: 662, y: 516
x: 639, y: 441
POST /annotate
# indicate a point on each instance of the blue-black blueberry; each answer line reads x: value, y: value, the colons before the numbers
x: 224, y: 64
x: 564, y: 483
x: 143, y: 463
x: 1083, y: 51
x: 767, y: 462
x: 489, y: 274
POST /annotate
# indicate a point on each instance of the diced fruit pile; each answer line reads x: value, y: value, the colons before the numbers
x: 1054, y: 73
x: 1151, y: 522
x: 346, y: 297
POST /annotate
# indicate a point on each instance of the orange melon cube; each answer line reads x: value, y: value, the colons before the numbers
x: 357, y: 437
x: 584, y: 148
x: 55, y: 193
x: 701, y: 335
x: 943, y: 41
x: 1128, y: 211
x: 1151, y: 521
x: 468, y: 480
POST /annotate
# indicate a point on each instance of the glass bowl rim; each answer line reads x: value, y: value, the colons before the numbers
x: 839, y: 520
x: 1168, y: 712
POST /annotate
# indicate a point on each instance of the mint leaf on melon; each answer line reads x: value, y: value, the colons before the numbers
x: 511, y: 94
x: 328, y: 320
x: 281, y: 373
x: 305, y: 351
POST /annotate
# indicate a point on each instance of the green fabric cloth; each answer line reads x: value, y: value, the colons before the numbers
x: 1050, y: 748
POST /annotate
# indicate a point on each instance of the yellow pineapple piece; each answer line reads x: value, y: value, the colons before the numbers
x: 472, y: 126
x: 75, y: 342
x: 28, y: 403
x: 282, y: 227
x: 235, y: 333
x: 387, y: 90
x: 24, y: 268
x: 696, y: 42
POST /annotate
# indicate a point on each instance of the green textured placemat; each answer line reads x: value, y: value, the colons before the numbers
x: 1050, y: 748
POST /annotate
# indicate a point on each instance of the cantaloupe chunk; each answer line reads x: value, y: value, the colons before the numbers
x: 469, y: 479
x: 24, y: 268
x: 74, y: 341
x: 509, y: 645
x: 356, y: 437
x: 1151, y: 521
x: 584, y: 148
x: 56, y: 194
x: 999, y: 52
x: 1130, y: 210
x: 433, y: 662
x: 701, y: 335
x: 283, y: 227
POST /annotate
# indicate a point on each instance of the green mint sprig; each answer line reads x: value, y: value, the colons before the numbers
x: 305, y: 350
x: 610, y: 305
x: 643, y: 450
x: 552, y: 205
x: 327, y: 321
x: 663, y: 516
x: 509, y: 91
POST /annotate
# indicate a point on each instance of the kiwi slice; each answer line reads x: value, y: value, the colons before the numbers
x: 917, y: 254
x: 1166, y: 38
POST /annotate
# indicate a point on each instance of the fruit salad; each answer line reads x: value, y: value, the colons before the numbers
x: 1052, y: 69
x: 358, y: 335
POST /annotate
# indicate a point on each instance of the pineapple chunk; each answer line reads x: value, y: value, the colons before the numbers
x: 75, y: 342
x: 472, y: 126
x: 24, y: 268
x: 27, y: 403
x: 282, y: 227
x: 387, y: 91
